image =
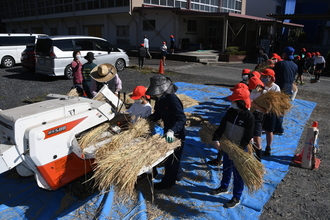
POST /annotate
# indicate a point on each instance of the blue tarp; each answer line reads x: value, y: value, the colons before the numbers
x: 22, y: 199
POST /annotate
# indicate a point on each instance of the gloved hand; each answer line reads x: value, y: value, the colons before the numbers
x: 169, y: 136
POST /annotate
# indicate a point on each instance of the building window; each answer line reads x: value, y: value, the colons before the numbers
x: 122, y: 31
x: 149, y: 25
x: 192, y: 26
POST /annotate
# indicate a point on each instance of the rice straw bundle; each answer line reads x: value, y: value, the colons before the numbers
x: 248, y: 166
x: 193, y: 119
x: 250, y: 169
x: 99, y: 97
x: 120, y: 167
x: 141, y: 128
x: 265, y: 65
x: 207, y: 131
x: 187, y: 101
x: 277, y: 103
x: 92, y: 136
x: 73, y: 92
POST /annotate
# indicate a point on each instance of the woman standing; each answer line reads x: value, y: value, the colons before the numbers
x: 76, y: 66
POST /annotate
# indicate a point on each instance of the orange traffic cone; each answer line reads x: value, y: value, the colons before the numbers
x: 161, y: 67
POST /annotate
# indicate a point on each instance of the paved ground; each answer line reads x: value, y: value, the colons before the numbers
x: 303, y: 194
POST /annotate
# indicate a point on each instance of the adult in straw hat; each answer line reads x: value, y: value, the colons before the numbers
x: 237, y: 125
x: 169, y: 108
x: 105, y: 74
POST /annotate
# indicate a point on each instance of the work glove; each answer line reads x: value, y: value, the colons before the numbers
x: 169, y: 136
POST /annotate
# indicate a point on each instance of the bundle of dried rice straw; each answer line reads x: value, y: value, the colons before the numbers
x: 120, y: 167
x: 250, y: 169
x: 73, y: 92
x: 120, y: 161
x: 277, y: 103
x: 187, y: 101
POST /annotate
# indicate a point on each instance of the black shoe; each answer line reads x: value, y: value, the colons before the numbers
x: 215, y: 162
x: 219, y: 191
x: 278, y: 133
x: 161, y: 186
x: 267, y: 152
x: 232, y: 203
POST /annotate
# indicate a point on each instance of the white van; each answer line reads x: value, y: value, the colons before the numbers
x: 54, y: 54
x: 12, y: 45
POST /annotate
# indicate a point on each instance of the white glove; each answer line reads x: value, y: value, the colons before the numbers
x: 169, y: 136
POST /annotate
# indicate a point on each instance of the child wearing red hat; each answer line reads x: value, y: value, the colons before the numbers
x: 268, y: 78
x: 163, y: 51
x: 141, y: 108
x: 319, y: 65
x: 257, y: 88
x: 237, y: 125
x: 142, y: 52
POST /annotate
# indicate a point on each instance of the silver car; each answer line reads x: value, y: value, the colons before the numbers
x: 54, y: 54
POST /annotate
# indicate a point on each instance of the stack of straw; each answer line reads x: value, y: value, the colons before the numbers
x: 250, y: 169
x: 277, y: 103
x: 120, y: 161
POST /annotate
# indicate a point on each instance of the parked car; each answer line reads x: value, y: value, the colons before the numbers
x: 28, y: 58
x: 54, y: 54
x: 12, y: 45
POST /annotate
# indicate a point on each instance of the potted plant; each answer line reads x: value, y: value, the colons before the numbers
x: 232, y: 54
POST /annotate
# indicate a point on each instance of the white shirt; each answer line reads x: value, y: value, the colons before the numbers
x: 273, y: 87
x: 318, y: 60
x: 146, y: 43
x: 138, y: 110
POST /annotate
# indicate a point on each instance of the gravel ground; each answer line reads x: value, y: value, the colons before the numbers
x: 303, y: 194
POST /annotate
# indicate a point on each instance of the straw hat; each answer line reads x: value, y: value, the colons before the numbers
x: 103, y: 72
x: 160, y: 84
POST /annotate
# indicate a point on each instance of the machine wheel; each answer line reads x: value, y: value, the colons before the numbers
x: 68, y: 72
x: 7, y: 62
x: 120, y: 65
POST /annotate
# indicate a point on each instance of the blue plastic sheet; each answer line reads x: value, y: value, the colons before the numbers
x: 21, y: 198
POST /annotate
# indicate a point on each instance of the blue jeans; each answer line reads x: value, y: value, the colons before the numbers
x: 228, y: 169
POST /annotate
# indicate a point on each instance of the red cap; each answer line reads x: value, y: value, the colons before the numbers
x: 241, y: 94
x: 313, y: 54
x: 256, y: 74
x: 268, y: 72
x: 142, y: 45
x: 303, y: 50
x: 240, y: 86
x: 164, y: 42
x: 254, y: 82
x: 317, y: 53
x: 315, y: 124
x: 246, y: 71
x: 171, y: 36
x: 308, y: 55
x: 138, y: 92
x: 298, y: 57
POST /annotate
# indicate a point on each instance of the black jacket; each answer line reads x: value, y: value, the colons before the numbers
x: 237, y: 125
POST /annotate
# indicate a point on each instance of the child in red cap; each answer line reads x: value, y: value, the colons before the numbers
x: 141, y: 108
x: 237, y: 125
x: 257, y: 88
x: 268, y: 78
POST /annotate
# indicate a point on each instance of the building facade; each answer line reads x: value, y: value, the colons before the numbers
x: 196, y: 24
